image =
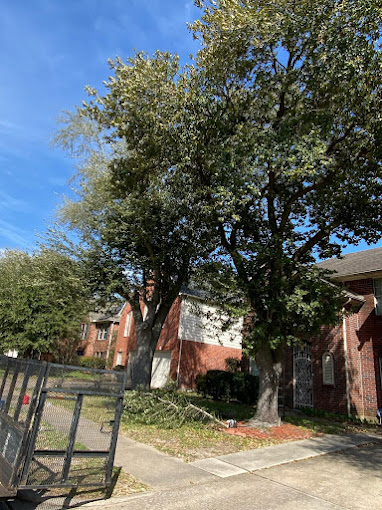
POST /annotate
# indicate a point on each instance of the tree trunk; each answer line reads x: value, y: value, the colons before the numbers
x: 141, y: 363
x: 269, y: 362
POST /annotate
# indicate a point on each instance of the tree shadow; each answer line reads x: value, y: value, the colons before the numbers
x: 60, y: 498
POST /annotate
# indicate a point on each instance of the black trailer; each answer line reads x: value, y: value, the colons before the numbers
x: 58, y: 425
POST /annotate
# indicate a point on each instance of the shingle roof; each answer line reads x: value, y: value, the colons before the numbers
x: 360, y: 262
x: 106, y: 315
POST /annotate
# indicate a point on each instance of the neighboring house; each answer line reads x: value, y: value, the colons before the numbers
x: 340, y: 369
x: 191, y: 342
x: 99, y: 334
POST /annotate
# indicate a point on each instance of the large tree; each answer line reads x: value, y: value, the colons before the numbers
x: 43, y: 300
x: 136, y: 213
x: 289, y: 115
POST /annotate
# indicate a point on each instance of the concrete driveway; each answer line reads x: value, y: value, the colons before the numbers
x: 350, y: 479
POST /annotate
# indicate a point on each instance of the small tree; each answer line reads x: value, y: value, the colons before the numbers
x: 43, y: 299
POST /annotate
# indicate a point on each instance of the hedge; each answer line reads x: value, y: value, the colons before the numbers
x: 90, y: 362
x: 222, y: 385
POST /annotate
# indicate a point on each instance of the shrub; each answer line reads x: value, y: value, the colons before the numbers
x: 232, y: 364
x: 222, y: 385
x: 119, y: 368
x: 90, y: 362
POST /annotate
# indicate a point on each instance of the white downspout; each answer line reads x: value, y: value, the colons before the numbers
x: 344, y: 333
x: 180, y: 356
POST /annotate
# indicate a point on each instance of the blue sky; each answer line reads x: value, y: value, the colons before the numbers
x: 51, y: 49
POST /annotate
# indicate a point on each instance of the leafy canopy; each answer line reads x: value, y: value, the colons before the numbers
x: 43, y: 299
x: 291, y: 96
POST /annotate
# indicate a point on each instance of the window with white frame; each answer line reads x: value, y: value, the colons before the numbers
x: 328, y: 368
x: 119, y: 358
x: 378, y: 296
x: 102, y: 331
x: 84, y: 331
x: 129, y: 318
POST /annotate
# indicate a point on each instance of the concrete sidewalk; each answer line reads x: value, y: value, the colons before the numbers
x: 156, y: 469
x: 228, y: 480
x: 161, y: 471
x: 349, y: 479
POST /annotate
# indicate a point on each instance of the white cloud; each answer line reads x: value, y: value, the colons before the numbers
x: 14, y: 234
x: 11, y: 203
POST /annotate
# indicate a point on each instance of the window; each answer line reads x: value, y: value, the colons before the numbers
x: 129, y: 317
x: 84, y: 331
x: 378, y: 296
x: 328, y: 369
x: 119, y: 358
x: 145, y: 312
x: 103, y: 330
x: 81, y: 352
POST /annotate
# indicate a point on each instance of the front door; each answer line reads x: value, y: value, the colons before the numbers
x: 303, y: 376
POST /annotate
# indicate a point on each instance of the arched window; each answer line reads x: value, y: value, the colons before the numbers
x: 328, y: 368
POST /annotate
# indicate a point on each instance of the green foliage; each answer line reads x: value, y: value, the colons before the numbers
x: 43, y: 299
x: 90, y: 362
x: 165, y: 408
x: 222, y: 385
x: 224, y: 410
x: 288, y: 114
x: 232, y: 364
x: 265, y: 153
x: 136, y: 212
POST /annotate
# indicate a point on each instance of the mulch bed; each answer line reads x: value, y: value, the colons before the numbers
x: 285, y: 432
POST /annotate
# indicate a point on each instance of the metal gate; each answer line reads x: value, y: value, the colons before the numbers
x: 303, y: 376
x: 58, y: 424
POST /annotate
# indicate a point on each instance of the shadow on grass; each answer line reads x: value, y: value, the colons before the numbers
x: 60, y: 498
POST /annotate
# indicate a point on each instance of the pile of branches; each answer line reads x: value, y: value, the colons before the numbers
x: 165, y: 408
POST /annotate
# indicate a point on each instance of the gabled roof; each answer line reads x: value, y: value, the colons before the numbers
x: 193, y: 292
x: 366, y: 263
x: 113, y: 315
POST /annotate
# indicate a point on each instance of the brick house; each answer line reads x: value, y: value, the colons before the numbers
x: 99, y: 334
x: 340, y: 369
x: 191, y: 341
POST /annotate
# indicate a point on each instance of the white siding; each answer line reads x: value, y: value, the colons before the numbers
x: 202, y: 323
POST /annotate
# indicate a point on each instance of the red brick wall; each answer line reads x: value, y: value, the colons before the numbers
x: 168, y: 340
x: 364, y: 348
x: 91, y: 345
x: 329, y: 397
x: 325, y: 397
x: 197, y: 358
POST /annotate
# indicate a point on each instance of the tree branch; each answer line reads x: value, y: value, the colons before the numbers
x: 319, y: 236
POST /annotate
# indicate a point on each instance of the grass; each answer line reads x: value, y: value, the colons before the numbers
x: 330, y: 423
x: 190, y: 441
x: 195, y: 440
x: 224, y: 410
x: 49, y: 438
x: 123, y: 484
